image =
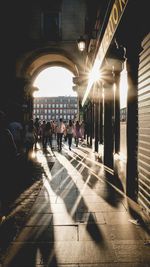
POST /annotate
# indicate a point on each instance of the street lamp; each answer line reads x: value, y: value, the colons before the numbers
x: 81, y: 44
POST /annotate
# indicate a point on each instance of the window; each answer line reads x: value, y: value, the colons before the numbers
x: 51, y: 26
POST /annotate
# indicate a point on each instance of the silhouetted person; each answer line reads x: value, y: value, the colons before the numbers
x: 82, y: 130
x: 16, y: 129
x: 70, y: 131
x: 30, y: 137
x: 37, y: 130
x: 77, y: 133
x: 8, y: 154
x: 48, y: 134
x: 42, y: 133
x: 60, y: 128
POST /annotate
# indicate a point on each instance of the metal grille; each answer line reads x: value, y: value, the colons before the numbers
x: 144, y: 126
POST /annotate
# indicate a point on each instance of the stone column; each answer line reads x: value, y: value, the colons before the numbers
x: 108, y: 125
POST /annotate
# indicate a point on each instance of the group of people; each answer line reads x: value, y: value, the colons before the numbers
x: 25, y: 137
x: 45, y: 132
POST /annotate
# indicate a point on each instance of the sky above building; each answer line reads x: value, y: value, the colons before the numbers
x: 54, y: 81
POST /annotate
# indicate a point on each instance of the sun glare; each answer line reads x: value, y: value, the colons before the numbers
x: 54, y: 81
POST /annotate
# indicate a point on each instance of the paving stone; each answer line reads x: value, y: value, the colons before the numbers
x: 103, y: 207
x: 68, y: 196
x: 96, y: 232
x: 93, y: 198
x: 60, y: 253
x: 85, y: 217
x: 116, y: 217
x: 48, y: 234
x: 83, y: 252
x: 62, y: 219
x: 39, y: 219
x: 116, y: 264
x: 125, y: 232
x: 43, y: 199
x: 41, y: 208
x: 25, y: 254
x: 61, y: 207
x: 100, y: 218
x: 132, y: 251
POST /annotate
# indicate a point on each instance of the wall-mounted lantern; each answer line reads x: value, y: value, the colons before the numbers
x: 81, y: 44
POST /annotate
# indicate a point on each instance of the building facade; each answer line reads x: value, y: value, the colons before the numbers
x: 53, y: 108
x: 116, y: 106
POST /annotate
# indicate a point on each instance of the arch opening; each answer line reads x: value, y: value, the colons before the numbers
x: 54, y: 81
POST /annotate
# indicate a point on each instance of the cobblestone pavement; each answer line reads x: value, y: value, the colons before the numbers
x: 73, y: 217
x: 19, y: 206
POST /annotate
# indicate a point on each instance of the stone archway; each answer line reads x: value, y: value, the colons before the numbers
x: 30, y: 66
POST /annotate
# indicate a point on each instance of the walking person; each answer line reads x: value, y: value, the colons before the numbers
x: 77, y: 133
x: 30, y: 137
x: 82, y: 130
x: 42, y: 133
x: 48, y: 135
x: 60, y: 128
x: 70, y: 131
x: 37, y: 129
